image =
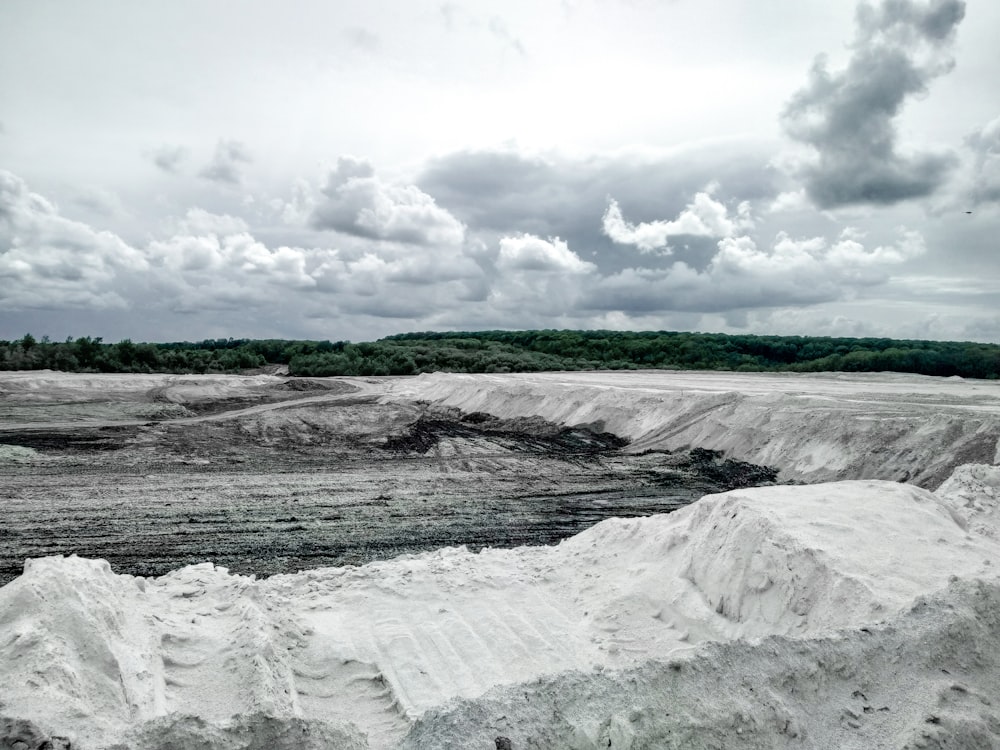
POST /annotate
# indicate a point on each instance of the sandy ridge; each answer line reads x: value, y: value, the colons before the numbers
x: 814, y: 428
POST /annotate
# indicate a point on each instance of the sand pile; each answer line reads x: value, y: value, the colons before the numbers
x: 973, y: 491
x: 858, y: 613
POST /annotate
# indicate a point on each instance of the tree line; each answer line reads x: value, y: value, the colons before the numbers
x: 511, y: 351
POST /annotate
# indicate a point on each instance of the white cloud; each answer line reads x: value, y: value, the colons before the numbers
x: 792, y: 200
x: 215, y: 262
x: 536, y: 279
x: 703, y: 217
x: 358, y: 203
x: 228, y: 270
x: 744, y: 275
x: 48, y: 260
x: 529, y: 253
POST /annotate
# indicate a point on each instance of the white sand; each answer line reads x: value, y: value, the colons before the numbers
x: 92, y: 654
x: 849, y: 614
x: 813, y: 427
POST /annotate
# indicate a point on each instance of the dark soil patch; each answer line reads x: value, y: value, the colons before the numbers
x: 527, y: 436
x: 73, y: 441
x: 727, y: 473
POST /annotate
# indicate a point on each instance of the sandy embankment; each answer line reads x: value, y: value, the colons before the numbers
x: 850, y: 614
x: 812, y: 427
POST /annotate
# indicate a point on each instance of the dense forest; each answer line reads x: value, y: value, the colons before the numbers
x: 511, y: 351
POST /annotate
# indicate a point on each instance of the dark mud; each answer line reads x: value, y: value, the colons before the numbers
x: 329, y: 485
x: 525, y: 435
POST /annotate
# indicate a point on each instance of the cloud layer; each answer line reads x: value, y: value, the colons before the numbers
x: 697, y: 174
x: 418, y: 265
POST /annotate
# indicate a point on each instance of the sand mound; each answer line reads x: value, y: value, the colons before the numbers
x: 790, y: 574
x: 928, y: 679
x: 974, y: 492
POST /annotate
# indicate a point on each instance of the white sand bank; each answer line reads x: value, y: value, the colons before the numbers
x: 852, y: 614
x: 813, y: 427
x: 97, y: 656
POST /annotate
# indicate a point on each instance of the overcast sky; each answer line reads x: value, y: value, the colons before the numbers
x: 329, y: 169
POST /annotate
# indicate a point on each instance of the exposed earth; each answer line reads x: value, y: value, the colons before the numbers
x: 855, y: 605
x: 269, y: 475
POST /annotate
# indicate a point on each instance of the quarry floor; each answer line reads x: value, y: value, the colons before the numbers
x: 273, y: 475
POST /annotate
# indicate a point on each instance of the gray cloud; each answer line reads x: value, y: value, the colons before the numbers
x: 168, y: 158
x: 225, y: 164
x: 497, y: 192
x: 848, y: 116
x: 358, y: 203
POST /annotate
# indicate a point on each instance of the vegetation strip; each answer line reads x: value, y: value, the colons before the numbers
x: 512, y: 351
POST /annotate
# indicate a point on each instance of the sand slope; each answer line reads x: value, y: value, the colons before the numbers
x: 96, y: 656
x: 813, y: 427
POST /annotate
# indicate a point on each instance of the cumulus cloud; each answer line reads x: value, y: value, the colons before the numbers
x: 500, y: 192
x: 529, y: 253
x: 744, y: 275
x: 358, y: 203
x: 792, y: 200
x: 225, y: 266
x: 847, y: 117
x: 214, y: 262
x: 226, y: 163
x: 703, y: 217
x: 985, y: 146
x: 537, y: 279
x: 48, y: 260
x: 233, y: 267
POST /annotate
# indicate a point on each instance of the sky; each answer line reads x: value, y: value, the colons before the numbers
x: 339, y: 170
